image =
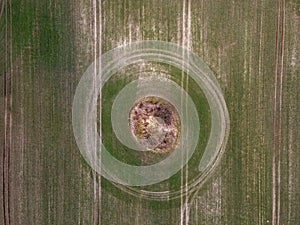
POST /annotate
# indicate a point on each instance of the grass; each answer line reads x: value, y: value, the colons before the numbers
x: 53, y: 42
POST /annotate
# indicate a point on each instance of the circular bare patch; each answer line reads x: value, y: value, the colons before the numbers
x: 155, y: 124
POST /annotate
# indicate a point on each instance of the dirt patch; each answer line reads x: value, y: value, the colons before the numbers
x: 155, y: 123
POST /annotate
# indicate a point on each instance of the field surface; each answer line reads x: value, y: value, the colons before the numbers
x: 253, y: 49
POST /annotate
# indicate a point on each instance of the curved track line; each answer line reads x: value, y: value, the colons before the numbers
x: 86, y: 97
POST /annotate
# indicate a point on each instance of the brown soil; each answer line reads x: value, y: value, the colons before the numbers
x: 155, y: 123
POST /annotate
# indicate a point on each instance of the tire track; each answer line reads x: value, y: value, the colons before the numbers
x: 2, y: 7
x: 184, y: 173
x: 188, y: 46
x: 277, y: 110
x: 274, y: 118
x: 4, y: 151
x: 100, y: 111
x: 4, y: 155
x: 11, y: 106
x: 95, y: 185
x: 97, y: 67
x: 280, y: 110
x: 183, y: 40
x: 7, y: 109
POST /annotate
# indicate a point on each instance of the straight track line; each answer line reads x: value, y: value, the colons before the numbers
x: 4, y: 155
x: 10, y: 113
x: 276, y: 130
x: 280, y: 111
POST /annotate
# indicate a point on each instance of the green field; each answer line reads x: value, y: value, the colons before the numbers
x: 253, y: 49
